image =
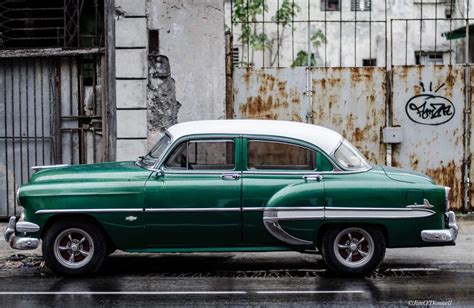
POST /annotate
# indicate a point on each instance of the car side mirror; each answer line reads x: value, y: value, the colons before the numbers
x: 157, y: 172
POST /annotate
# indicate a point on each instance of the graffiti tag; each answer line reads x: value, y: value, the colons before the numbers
x: 430, y: 109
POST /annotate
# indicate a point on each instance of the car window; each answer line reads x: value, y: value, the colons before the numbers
x: 350, y: 158
x: 203, y: 155
x: 265, y: 155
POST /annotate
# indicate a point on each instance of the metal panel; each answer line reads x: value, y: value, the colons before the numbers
x: 51, y: 113
x: 25, y: 123
x: 271, y: 93
x: 351, y: 100
x: 348, y: 100
x: 428, y: 103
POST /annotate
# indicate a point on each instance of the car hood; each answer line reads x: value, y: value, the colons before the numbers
x: 109, y: 171
x: 408, y: 176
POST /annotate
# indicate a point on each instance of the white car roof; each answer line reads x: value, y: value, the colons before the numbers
x: 324, y: 138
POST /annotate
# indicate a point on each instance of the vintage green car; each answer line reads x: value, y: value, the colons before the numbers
x: 233, y: 186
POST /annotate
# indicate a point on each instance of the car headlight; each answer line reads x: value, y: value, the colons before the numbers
x: 18, y: 197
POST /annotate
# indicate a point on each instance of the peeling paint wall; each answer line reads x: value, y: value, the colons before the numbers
x: 191, y: 35
x: 427, y: 102
x: 161, y: 97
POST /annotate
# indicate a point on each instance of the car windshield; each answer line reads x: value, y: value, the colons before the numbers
x: 350, y: 158
x: 155, y: 153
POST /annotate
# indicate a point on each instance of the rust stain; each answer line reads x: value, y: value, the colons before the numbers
x: 446, y: 175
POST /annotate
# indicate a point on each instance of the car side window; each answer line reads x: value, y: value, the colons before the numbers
x: 267, y: 155
x: 203, y: 155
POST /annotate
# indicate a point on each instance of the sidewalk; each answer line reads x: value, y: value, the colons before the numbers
x: 461, y: 255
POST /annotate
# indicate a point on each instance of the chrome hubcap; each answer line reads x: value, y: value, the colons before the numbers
x: 73, y: 248
x: 353, y: 247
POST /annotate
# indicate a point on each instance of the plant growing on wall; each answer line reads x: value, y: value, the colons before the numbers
x: 245, y: 13
x: 317, y: 39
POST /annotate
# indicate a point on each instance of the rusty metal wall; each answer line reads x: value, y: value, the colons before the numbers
x: 351, y: 100
x: 270, y: 93
x: 348, y: 100
x: 428, y: 103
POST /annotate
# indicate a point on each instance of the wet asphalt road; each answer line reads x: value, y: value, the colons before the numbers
x: 228, y: 279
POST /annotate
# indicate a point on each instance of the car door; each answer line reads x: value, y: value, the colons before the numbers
x: 270, y: 166
x: 196, y: 201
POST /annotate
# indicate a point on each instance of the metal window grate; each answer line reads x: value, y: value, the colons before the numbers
x: 53, y: 23
x: 361, y: 5
x: 330, y: 5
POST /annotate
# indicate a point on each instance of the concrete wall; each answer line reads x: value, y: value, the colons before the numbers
x: 153, y: 94
x: 192, y: 37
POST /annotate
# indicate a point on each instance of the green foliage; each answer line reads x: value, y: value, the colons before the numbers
x: 286, y: 12
x: 302, y: 59
x: 317, y: 39
x: 245, y: 13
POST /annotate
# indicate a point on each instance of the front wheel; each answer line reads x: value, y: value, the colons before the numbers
x: 353, y: 250
x: 74, y: 248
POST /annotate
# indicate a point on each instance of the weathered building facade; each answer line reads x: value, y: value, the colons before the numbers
x: 85, y: 81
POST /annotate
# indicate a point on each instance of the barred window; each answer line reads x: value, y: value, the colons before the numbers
x: 330, y: 5
x: 361, y: 5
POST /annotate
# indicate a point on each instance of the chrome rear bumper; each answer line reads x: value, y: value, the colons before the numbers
x: 442, y: 235
x: 22, y: 242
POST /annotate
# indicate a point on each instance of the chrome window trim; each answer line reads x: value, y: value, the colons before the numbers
x: 290, y: 141
x: 197, y: 140
x: 174, y: 143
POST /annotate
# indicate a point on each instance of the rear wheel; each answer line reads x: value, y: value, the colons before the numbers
x: 353, y: 250
x: 74, y: 247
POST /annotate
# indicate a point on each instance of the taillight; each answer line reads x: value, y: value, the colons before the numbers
x: 448, y: 196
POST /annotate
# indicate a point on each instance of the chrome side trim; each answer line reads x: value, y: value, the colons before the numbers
x: 384, y: 213
x: 199, y: 209
x: 426, y: 205
x: 293, y: 213
x: 271, y: 224
x: 56, y: 211
x: 253, y: 209
x: 36, y: 168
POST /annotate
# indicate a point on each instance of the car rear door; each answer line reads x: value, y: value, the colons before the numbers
x: 270, y: 166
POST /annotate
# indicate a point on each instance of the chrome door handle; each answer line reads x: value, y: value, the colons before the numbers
x: 313, y: 178
x: 230, y: 176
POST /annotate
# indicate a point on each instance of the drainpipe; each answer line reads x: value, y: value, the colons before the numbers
x: 467, y: 123
x: 309, y: 82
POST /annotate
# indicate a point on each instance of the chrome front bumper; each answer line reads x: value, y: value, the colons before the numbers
x: 442, y: 235
x: 21, y: 242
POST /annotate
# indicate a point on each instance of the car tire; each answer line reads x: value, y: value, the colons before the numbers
x: 353, y: 250
x: 74, y: 248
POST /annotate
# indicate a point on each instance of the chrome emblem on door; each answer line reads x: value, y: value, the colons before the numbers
x: 131, y: 218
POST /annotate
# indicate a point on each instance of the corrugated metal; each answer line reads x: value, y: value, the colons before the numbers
x: 351, y: 100
x: 48, y: 116
x: 428, y: 103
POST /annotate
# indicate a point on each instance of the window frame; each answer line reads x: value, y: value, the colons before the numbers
x: 324, y: 6
x: 355, y: 8
x: 293, y: 142
x: 176, y: 144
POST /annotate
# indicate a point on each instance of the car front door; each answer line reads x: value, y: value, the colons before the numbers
x: 269, y: 167
x: 196, y: 201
